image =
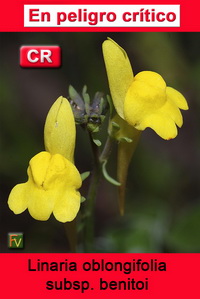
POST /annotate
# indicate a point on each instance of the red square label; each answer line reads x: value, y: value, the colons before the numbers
x: 40, y: 56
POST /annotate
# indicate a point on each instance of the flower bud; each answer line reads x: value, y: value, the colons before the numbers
x: 59, y: 130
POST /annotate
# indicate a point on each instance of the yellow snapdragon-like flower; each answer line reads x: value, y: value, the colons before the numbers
x: 144, y: 100
x: 53, y: 180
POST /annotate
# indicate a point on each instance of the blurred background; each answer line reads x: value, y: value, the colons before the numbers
x: 163, y: 190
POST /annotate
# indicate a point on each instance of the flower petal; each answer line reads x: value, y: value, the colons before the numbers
x: 38, y: 166
x: 17, y: 200
x: 72, y: 176
x: 56, y: 172
x: 177, y: 98
x: 152, y: 79
x: 119, y: 72
x: 67, y: 206
x: 161, y: 124
x: 40, y: 202
x: 170, y: 110
x: 61, y: 177
x: 145, y: 95
x: 59, y: 130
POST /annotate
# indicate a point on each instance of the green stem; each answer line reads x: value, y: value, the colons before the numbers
x: 95, y: 152
x: 89, y: 221
x: 71, y: 233
x: 92, y: 192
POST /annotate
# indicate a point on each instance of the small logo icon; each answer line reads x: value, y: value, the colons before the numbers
x: 15, y: 240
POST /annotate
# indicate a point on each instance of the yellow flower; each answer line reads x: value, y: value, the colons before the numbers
x: 144, y: 100
x: 53, y: 180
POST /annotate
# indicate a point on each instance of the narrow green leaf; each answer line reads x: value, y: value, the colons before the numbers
x: 97, y: 142
x: 115, y: 125
x: 72, y: 92
x: 126, y: 139
x: 106, y: 175
x: 83, y: 199
x: 95, y: 130
x: 84, y: 90
x: 85, y: 175
x: 86, y: 98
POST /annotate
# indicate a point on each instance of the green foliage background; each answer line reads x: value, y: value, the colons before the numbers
x: 163, y: 191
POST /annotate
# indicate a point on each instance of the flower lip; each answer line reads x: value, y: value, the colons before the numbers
x: 52, y: 187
